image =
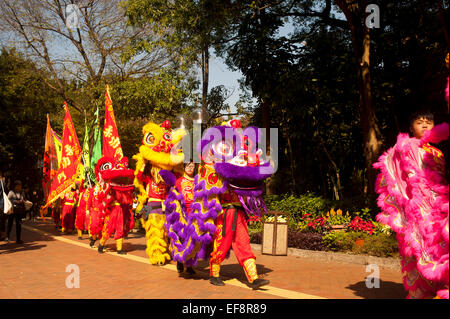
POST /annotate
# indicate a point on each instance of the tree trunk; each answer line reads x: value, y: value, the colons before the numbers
x: 292, y: 162
x: 265, y: 110
x: 205, y: 78
x: 336, y: 183
x: 355, y: 15
x: 444, y: 23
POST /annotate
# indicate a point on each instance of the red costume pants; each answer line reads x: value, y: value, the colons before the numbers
x: 95, y: 223
x: 236, y: 237
x: 68, y: 213
x: 118, y: 221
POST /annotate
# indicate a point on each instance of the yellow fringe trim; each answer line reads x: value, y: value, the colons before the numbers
x: 157, y: 241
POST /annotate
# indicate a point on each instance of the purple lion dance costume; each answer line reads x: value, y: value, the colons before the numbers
x: 228, y: 188
x: 413, y: 196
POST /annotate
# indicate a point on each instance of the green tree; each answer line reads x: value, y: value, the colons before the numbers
x: 24, y: 99
x: 184, y: 27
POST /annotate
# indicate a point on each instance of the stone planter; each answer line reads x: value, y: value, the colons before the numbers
x: 337, y: 228
x: 275, y: 236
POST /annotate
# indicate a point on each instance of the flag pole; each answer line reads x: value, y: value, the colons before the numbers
x: 86, y: 173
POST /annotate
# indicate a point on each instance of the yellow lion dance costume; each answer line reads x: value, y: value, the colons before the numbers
x: 156, y: 153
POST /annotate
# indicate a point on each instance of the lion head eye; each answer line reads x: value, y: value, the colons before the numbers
x: 224, y: 148
x: 106, y: 166
x: 149, y: 139
x: 167, y: 136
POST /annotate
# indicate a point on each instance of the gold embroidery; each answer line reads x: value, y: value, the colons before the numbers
x: 215, y: 270
x: 250, y: 270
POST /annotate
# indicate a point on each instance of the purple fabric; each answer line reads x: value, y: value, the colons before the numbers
x: 168, y: 177
x: 246, y: 182
x: 238, y: 173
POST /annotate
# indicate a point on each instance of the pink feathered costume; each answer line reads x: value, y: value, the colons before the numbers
x: 413, y: 196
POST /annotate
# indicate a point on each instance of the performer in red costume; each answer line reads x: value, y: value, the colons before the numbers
x: 95, y: 207
x: 68, y: 212
x: 119, y: 217
x: 228, y: 189
x: 232, y: 232
x: 56, y: 213
x: 185, y: 185
x: 80, y: 220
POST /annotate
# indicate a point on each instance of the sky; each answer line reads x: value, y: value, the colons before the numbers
x: 220, y: 74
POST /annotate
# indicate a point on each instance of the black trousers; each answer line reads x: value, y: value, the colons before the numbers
x: 3, y: 218
x: 18, y: 219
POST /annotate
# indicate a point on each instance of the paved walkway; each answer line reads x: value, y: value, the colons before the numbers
x: 37, y: 269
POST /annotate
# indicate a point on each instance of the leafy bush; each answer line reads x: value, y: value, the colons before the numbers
x: 296, y: 207
x: 296, y: 239
x: 342, y: 241
x: 380, y: 245
x: 382, y: 229
x: 255, y: 224
x: 318, y: 225
x: 255, y: 236
x: 337, y: 217
x: 363, y: 206
x: 304, y: 240
x: 359, y: 225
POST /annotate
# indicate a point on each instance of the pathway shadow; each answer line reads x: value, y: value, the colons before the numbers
x: 233, y: 271
x: 129, y: 247
x: 14, y: 248
x: 29, y: 238
x: 386, y: 290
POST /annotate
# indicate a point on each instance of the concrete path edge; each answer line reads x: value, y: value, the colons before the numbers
x: 326, y: 256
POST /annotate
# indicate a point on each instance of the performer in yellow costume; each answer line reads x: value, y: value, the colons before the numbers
x: 157, y: 152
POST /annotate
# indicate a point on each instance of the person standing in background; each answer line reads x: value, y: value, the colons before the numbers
x: 17, y: 199
x: 3, y: 217
x: 26, y: 193
x: 34, y: 198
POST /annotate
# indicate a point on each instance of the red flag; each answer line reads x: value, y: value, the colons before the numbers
x: 70, y: 160
x: 50, y: 166
x: 111, y: 141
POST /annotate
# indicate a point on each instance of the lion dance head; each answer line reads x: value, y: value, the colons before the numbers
x: 117, y: 174
x: 157, y: 152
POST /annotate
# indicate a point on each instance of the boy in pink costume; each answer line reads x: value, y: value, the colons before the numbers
x: 413, y: 196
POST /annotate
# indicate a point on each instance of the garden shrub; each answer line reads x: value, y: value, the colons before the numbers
x: 296, y: 207
x: 255, y: 237
x: 296, y: 239
x: 380, y: 245
x: 303, y: 240
x: 342, y: 241
x: 363, y: 206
